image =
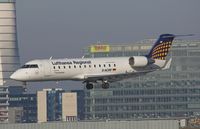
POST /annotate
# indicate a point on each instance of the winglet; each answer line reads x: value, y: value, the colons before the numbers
x: 167, y: 65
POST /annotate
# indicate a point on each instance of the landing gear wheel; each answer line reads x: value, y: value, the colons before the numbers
x: 89, y: 86
x: 105, y: 85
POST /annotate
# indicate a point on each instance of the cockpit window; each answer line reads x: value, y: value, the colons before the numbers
x: 34, y: 66
x: 30, y: 66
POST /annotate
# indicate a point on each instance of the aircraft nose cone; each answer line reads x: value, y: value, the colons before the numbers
x: 14, y: 76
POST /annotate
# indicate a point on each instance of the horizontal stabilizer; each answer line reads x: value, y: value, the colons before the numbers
x: 168, y: 64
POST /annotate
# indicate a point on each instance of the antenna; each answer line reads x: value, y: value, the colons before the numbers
x: 184, y: 35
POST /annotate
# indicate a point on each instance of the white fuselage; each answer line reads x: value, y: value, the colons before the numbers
x: 75, y: 69
x: 94, y: 70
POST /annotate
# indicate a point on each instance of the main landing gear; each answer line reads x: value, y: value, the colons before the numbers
x: 89, y: 86
x: 105, y: 85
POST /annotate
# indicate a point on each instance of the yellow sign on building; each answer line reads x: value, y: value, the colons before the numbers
x: 99, y: 48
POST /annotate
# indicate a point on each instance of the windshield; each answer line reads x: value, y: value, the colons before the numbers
x: 30, y: 66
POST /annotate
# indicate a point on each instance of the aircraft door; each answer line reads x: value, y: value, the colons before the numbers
x: 47, y: 68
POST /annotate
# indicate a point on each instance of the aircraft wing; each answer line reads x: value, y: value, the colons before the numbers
x: 111, y: 77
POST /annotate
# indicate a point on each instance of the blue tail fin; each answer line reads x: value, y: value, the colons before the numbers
x: 161, y: 47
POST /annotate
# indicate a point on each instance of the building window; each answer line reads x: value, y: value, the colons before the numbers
x: 59, y: 67
x: 109, y: 65
x: 74, y: 66
x: 114, y: 65
x: 89, y: 66
x: 95, y: 66
x: 104, y: 65
x: 99, y: 65
x: 79, y: 66
x: 84, y: 66
x: 54, y: 67
x: 64, y: 67
x: 69, y: 67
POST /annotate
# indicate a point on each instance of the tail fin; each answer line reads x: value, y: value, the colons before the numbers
x: 161, y: 47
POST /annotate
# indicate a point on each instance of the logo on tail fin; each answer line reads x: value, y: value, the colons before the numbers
x: 161, y: 47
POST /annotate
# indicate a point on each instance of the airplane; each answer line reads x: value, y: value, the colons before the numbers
x: 98, y: 70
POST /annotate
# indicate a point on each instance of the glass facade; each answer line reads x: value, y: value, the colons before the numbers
x: 59, y: 105
x: 54, y: 105
x: 9, y: 53
x: 80, y: 103
x: 4, y: 104
x: 28, y: 102
x: 173, y: 93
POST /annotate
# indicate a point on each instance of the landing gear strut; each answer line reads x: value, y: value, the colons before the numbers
x: 89, y: 86
x: 105, y: 85
x: 24, y: 86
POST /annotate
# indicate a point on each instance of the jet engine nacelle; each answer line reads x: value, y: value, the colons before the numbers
x: 140, y: 61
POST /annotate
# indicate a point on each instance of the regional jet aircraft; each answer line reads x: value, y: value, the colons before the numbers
x: 98, y: 70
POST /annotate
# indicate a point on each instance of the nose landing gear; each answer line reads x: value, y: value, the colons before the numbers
x: 24, y: 84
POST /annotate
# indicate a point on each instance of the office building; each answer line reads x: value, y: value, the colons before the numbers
x: 56, y: 105
x: 53, y: 105
x: 174, y: 93
x: 69, y: 107
x: 49, y: 105
x: 80, y: 104
x: 9, y: 56
x: 15, y: 114
x: 27, y: 103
